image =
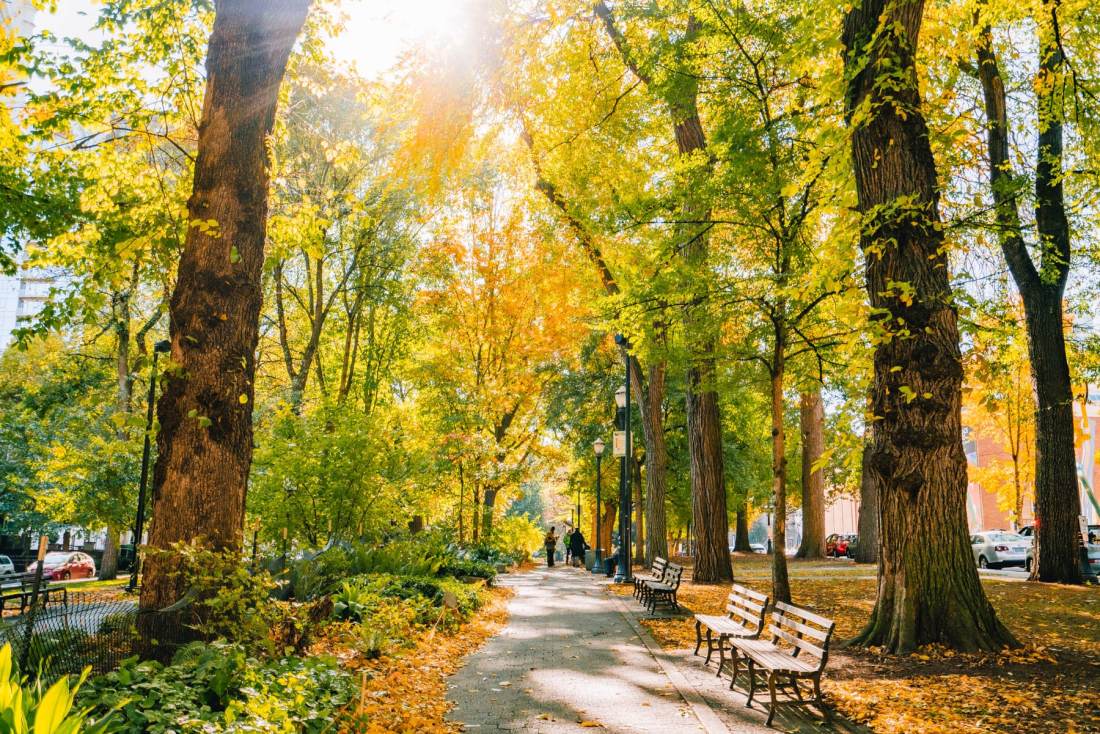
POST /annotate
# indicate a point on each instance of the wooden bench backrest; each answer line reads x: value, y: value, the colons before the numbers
x: 673, y: 573
x: 659, y: 565
x: 805, y: 633
x: 747, y: 607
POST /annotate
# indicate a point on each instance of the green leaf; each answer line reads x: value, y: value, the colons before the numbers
x: 53, y: 708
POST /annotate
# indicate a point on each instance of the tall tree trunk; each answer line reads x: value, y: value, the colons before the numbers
x: 867, y: 547
x: 607, y: 525
x: 708, y: 483
x: 475, y: 509
x: 656, y: 461
x: 781, y: 585
x: 741, y: 542
x: 108, y: 564
x: 205, y: 441
x: 812, y: 420
x: 916, y: 450
x: 648, y: 393
x: 1057, y: 495
x: 487, y: 511
x: 639, y: 512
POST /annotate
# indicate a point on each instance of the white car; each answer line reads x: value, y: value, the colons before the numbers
x: 997, y: 548
x: 7, y: 568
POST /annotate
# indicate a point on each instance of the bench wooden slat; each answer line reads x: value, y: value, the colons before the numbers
x: 805, y: 614
x: 787, y: 622
x: 799, y: 642
x: 754, y: 595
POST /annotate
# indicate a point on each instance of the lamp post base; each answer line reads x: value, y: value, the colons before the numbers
x: 597, y: 565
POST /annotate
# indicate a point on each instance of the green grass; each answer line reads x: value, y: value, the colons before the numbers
x: 97, y: 585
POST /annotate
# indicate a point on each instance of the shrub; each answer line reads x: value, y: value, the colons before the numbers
x: 218, y: 687
x: 516, y: 536
x: 470, y: 567
x: 22, y: 707
x: 230, y: 601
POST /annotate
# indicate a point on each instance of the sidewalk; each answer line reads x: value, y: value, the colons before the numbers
x: 571, y: 660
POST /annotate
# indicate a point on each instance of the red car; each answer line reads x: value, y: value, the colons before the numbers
x: 62, y: 565
x: 839, y: 545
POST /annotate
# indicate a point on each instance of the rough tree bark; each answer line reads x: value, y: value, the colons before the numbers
x: 741, y: 543
x: 1057, y: 495
x: 781, y: 585
x: 708, y: 483
x: 867, y: 547
x: 205, y: 441
x: 812, y: 419
x: 639, y: 513
x: 928, y: 586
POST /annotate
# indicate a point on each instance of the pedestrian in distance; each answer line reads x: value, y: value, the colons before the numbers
x: 567, y: 545
x: 577, y: 547
x: 551, y: 544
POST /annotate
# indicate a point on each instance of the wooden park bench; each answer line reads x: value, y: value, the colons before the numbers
x: 25, y: 594
x: 797, y: 648
x: 656, y: 573
x: 744, y: 619
x: 663, y: 591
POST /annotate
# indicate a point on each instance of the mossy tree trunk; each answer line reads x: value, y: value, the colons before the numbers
x: 928, y: 586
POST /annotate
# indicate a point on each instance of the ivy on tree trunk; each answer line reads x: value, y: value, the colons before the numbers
x: 928, y: 586
x: 205, y: 441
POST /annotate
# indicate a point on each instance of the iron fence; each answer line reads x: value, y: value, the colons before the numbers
x: 60, y: 635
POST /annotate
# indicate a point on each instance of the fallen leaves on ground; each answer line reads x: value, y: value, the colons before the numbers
x: 406, y: 691
x: 1051, y: 684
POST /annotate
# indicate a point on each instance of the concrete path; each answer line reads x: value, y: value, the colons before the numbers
x: 571, y: 660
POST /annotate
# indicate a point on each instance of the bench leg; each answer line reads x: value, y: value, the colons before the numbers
x: 771, y: 691
x: 736, y: 664
x: 698, y: 634
x: 797, y: 689
x: 752, y: 684
x: 710, y: 646
x: 721, y: 654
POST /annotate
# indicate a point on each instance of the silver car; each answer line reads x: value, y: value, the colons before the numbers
x: 996, y: 548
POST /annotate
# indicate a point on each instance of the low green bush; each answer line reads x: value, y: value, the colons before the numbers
x: 469, y: 567
x: 218, y: 687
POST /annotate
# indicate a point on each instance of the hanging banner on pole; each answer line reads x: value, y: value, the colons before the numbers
x: 618, y: 444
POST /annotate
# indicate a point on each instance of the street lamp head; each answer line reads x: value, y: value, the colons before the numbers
x: 598, y: 446
x: 163, y: 347
x: 620, y: 397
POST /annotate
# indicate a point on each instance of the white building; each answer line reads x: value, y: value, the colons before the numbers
x: 23, y: 294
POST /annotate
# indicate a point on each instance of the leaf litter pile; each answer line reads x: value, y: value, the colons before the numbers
x: 405, y: 689
x: 1052, y: 684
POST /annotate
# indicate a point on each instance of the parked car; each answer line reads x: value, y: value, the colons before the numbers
x: 7, y: 568
x: 997, y: 548
x: 837, y: 545
x: 1092, y: 549
x: 61, y: 565
x: 758, y: 547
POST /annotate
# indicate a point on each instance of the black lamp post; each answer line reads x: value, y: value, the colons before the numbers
x: 622, y: 401
x: 161, y: 347
x: 598, y: 446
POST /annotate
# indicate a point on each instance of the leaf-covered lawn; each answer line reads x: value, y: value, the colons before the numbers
x: 406, y: 691
x: 1051, y: 685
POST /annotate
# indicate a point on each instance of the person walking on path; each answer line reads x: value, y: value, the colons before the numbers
x: 567, y: 544
x: 577, y: 547
x: 551, y: 543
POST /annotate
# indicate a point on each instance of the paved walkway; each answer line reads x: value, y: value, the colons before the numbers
x: 571, y: 659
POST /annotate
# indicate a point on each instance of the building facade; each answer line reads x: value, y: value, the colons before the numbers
x: 983, y: 511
